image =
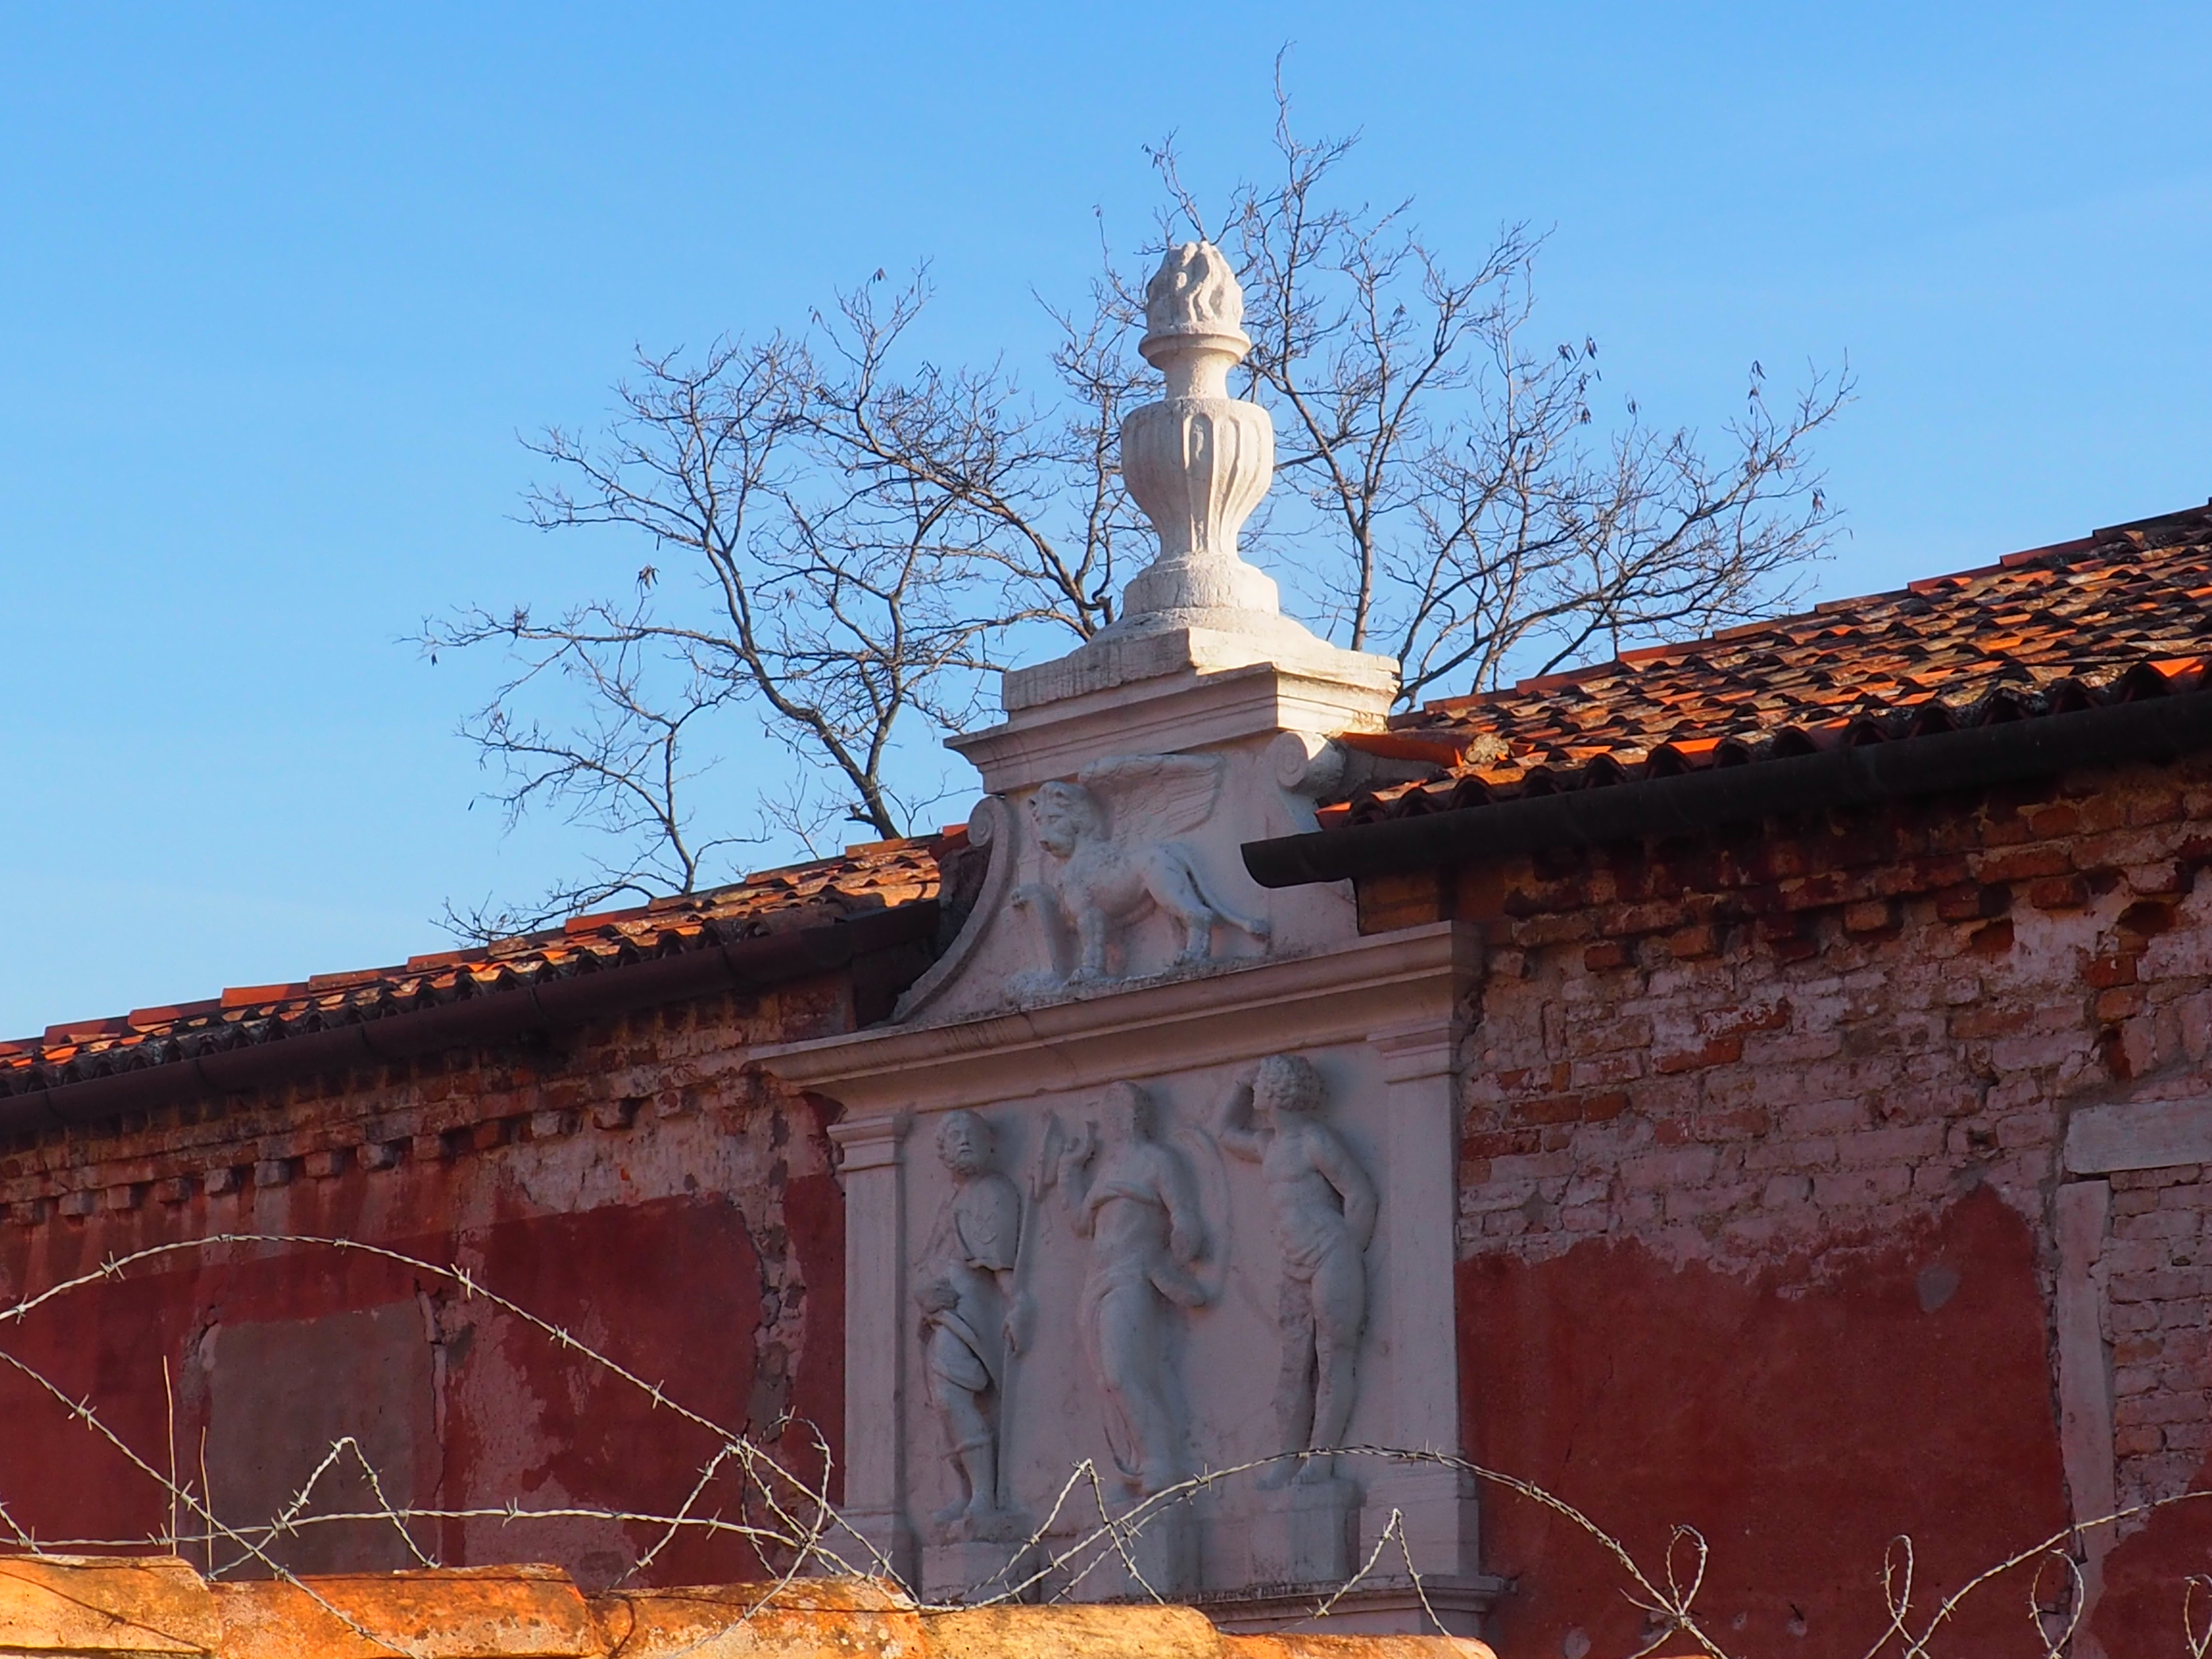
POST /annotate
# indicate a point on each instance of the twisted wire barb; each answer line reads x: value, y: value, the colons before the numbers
x: 801, y: 1530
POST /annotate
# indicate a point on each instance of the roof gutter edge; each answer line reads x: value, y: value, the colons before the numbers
x: 495, y: 1017
x: 2153, y: 729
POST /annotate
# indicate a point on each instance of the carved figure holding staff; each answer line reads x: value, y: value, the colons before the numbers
x: 1325, y: 1208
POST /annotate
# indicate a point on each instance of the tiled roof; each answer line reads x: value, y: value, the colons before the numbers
x: 2123, y: 614
x: 866, y: 879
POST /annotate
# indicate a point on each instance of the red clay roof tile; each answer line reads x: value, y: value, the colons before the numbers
x: 876, y: 876
x: 2123, y: 614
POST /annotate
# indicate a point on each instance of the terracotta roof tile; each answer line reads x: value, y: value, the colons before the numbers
x: 2123, y: 614
x: 877, y: 876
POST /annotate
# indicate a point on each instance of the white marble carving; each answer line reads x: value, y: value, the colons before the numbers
x: 974, y: 1324
x: 1200, y: 460
x: 1132, y: 1196
x: 1110, y: 859
x: 1324, y: 1209
x: 1119, y: 974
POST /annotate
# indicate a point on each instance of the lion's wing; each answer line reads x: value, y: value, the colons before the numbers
x: 1167, y: 793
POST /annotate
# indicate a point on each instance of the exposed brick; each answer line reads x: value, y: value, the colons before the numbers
x: 2161, y: 878
x: 274, y: 1171
x: 1682, y: 1166
x: 1871, y: 916
x: 2121, y: 1004
x: 1719, y: 1051
x: 2058, y: 893
x: 1992, y: 938
x: 1736, y: 1022
x: 2105, y: 971
x: 1972, y: 902
x: 2137, y: 1440
x: 2024, y: 864
x: 1693, y: 943
x: 1497, y: 1143
x: 1637, y: 918
x: 1549, y: 1109
x: 1847, y: 1187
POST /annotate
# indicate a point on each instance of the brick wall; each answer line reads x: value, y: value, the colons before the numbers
x: 2159, y: 1284
x: 630, y: 1182
x: 1798, y: 1092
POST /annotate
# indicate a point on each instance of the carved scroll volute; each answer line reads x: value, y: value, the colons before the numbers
x: 1199, y: 461
x: 990, y: 829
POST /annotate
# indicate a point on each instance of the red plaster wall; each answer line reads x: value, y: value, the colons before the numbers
x: 636, y: 1189
x: 1799, y: 1421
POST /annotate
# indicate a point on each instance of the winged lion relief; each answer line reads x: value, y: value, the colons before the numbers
x: 1110, y: 858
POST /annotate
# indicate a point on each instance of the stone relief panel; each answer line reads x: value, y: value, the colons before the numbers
x: 1183, y: 1283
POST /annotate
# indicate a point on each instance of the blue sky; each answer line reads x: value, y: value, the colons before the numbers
x: 279, y: 287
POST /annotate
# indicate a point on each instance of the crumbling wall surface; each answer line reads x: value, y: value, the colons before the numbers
x: 634, y: 1188
x: 1760, y: 1149
x: 88, y: 1608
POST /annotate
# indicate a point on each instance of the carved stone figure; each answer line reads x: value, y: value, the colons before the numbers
x: 973, y: 1320
x: 1110, y: 860
x: 1324, y: 1206
x: 1133, y: 1197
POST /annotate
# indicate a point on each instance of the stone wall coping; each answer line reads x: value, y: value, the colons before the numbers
x: 95, y: 1607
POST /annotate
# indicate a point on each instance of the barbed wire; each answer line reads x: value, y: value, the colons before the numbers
x: 800, y: 1532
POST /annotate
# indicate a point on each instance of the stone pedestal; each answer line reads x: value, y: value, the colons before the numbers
x: 1302, y: 1534
x: 1154, y: 1555
x: 976, y: 1571
x: 875, y: 1542
x: 1382, y: 1604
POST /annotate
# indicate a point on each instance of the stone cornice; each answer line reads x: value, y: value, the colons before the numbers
x: 1378, y: 983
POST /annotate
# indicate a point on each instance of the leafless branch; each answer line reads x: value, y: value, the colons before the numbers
x: 855, y: 537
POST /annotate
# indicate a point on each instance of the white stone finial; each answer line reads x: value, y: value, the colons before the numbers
x: 1193, y: 317
x: 1200, y: 460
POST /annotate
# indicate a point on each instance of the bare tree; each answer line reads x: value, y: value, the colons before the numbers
x: 860, y: 538
x: 834, y: 596
x: 1459, y: 515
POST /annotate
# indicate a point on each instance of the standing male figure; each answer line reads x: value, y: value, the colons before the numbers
x: 1324, y: 1206
x: 972, y: 1321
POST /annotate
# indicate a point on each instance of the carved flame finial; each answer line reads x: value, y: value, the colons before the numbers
x: 1198, y: 460
x: 1193, y: 299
